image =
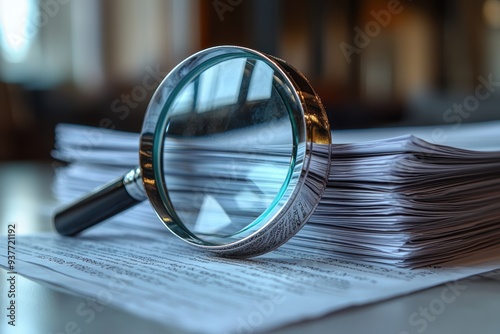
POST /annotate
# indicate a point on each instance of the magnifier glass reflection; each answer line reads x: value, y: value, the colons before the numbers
x: 228, y: 155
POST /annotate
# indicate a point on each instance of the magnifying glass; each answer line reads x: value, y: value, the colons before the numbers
x: 234, y: 155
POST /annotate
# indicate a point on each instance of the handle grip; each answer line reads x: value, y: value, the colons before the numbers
x: 100, y: 205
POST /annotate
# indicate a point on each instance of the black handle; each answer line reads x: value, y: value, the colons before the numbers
x: 102, y: 204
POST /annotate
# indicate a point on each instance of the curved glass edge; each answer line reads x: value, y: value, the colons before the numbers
x: 302, y: 196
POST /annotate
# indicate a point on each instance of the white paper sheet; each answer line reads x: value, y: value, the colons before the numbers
x: 156, y: 276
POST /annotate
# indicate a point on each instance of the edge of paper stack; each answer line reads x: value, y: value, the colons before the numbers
x: 400, y: 201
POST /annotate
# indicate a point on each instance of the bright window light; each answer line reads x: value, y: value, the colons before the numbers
x: 18, y: 27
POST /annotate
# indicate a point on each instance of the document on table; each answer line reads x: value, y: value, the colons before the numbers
x: 133, y: 263
x: 158, y: 277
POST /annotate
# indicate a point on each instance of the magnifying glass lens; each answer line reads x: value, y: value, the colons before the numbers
x: 234, y: 155
x: 226, y: 149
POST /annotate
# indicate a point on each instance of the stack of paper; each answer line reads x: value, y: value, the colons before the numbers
x: 399, y: 201
x: 408, y: 202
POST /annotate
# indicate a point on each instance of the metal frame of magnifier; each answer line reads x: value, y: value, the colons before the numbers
x: 142, y: 182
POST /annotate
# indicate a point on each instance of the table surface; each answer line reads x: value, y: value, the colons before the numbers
x: 25, y: 200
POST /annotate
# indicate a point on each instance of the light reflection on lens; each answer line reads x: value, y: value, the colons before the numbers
x: 228, y: 149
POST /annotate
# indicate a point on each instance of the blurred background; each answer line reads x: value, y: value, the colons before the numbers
x: 373, y: 62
